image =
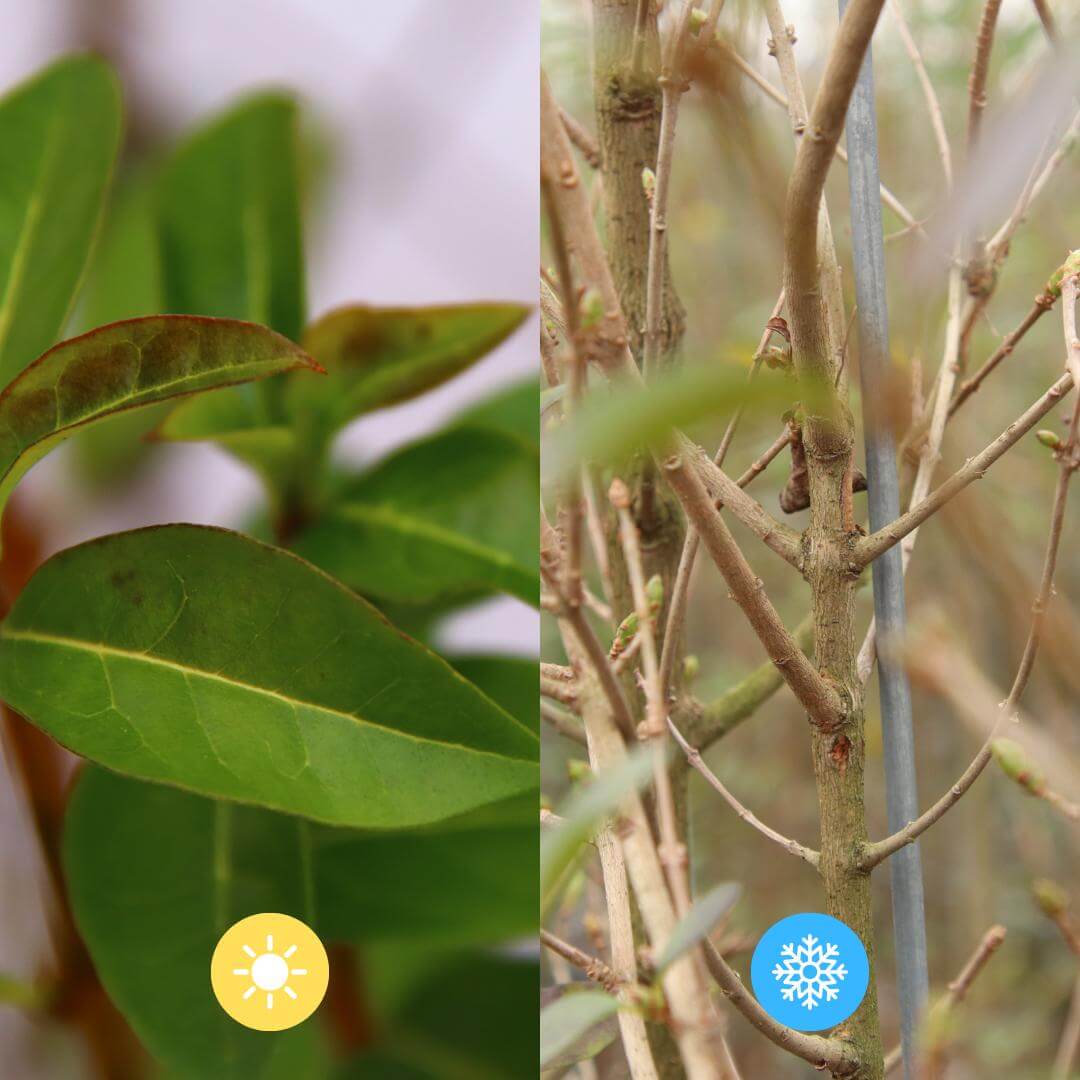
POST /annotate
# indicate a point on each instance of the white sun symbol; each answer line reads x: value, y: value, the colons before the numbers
x: 269, y: 971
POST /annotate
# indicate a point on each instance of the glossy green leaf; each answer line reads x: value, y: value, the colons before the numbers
x: 123, y: 282
x: 514, y: 411
x: 450, y: 515
x: 229, y: 213
x: 59, y: 134
x: 698, y: 922
x: 462, y: 1016
x: 566, y: 1023
x: 382, y: 356
x: 155, y: 876
x: 201, y: 658
x: 460, y: 882
x: 510, y: 681
x: 128, y: 365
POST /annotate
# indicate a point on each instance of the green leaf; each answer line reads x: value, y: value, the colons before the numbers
x: 565, y: 1023
x: 59, y: 134
x: 460, y: 882
x: 514, y: 411
x: 698, y: 922
x: 382, y: 356
x: 453, y: 514
x: 611, y: 426
x: 465, y: 1016
x: 232, y: 421
x: 201, y: 658
x: 123, y: 282
x: 155, y: 876
x: 472, y: 880
x: 510, y: 681
x: 127, y: 365
x: 229, y: 214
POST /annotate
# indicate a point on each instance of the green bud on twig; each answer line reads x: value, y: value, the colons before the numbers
x: 1049, y: 439
x: 697, y: 20
x: 1015, y: 764
x: 1070, y: 266
x: 690, y: 667
x: 1050, y: 896
x: 654, y: 593
x: 592, y: 309
x: 624, y: 635
x: 648, y: 184
x: 578, y: 770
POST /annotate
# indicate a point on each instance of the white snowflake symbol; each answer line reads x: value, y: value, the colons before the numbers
x: 810, y: 972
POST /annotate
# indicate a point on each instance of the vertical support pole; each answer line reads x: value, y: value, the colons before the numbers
x: 905, y: 867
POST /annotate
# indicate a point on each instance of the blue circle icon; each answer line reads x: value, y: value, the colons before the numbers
x: 809, y: 971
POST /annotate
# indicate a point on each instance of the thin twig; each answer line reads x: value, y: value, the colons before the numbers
x: 835, y: 1054
x: 870, y: 547
x: 1070, y: 1038
x: 672, y: 87
x: 911, y: 224
x: 581, y: 138
x: 819, y: 699
x: 1069, y: 462
x: 562, y: 722
x: 671, y: 850
x: 696, y: 761
x: 958, y: 988
x: 933, y: 105
x: 980, y: 70
x: 692, y: 542
x: 593, y: 966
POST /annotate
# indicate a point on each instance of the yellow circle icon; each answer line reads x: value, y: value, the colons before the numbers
x: 269, y: 972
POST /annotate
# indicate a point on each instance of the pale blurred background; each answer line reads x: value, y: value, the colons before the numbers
x: 429, y: 111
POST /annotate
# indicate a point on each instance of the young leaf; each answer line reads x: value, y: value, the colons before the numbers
x: 698, y: 922
x: 124, y: 366
x: 566, y: 1022
x: 229, y: 213
x: 201, y: 658
x: 381, y: 356
x: 155, y: 877
x: 443, y: 517
x: 59, y: 134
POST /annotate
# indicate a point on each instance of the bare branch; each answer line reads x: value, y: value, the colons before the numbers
x: 672, y: 87
x: 980, y: 70
x: 692, y: 542
x: 742, y: 700
x: 671, y: 850
x: 819, y: 699
x: 958, y: 988
x: 870, y: 547
x: 933, y: 105
x: 581, y: 138
x: 593, y: 966
x: 693, y: 756
x: 565, y: 725
x: 834, y: 1054
x: 770, y: 91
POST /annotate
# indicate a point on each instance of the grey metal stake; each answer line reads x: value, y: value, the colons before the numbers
x: 905, y: 866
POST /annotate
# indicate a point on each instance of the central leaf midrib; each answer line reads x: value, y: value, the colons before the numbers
x: 127, y: 654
